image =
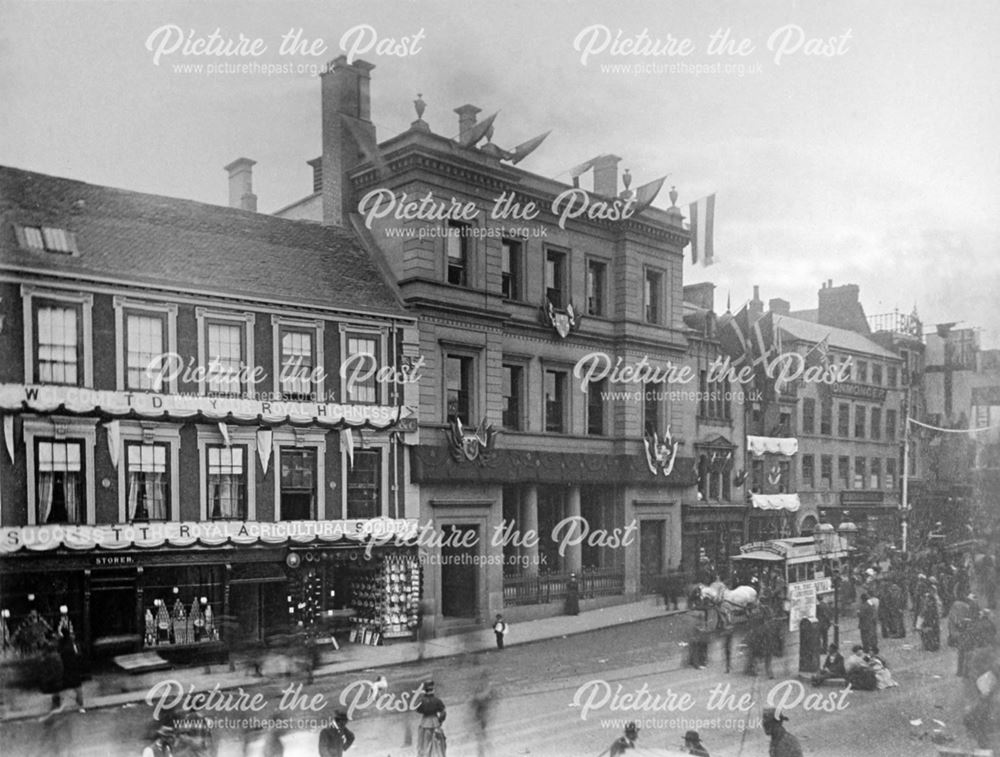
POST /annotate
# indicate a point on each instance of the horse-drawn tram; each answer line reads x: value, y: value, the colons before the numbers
x: 797, y: 571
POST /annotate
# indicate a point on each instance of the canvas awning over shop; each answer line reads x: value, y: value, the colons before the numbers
x: 789, y: 502
x: 774, y: 445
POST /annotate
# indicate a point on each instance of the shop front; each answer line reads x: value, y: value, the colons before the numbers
x: 195, y: 591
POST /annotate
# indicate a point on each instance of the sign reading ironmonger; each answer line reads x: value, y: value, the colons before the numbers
x: 178, y: 534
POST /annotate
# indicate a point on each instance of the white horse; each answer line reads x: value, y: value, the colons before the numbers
x: 727, y: 601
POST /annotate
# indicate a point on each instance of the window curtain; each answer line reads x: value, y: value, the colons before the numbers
x: 225, y: 497
x: 156, y: 499
x: 44, y: 497
x: 136, y: 505
x: 70, y: 489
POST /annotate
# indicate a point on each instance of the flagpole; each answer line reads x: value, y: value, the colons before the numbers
x: 904, y: 504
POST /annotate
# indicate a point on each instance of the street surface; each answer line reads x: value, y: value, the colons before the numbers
x: 536, y: 685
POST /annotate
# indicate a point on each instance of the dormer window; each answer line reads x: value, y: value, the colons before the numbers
x: 47, y: 238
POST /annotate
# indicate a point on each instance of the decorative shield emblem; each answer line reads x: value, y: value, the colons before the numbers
x: 661, y: 454
x: 472, y: 446
x: 563, y: 321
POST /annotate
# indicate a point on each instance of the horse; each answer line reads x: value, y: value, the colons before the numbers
x: 727, y: 601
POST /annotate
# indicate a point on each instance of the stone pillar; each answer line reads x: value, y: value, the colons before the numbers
x: 574, y: 552
x: 528, y: 524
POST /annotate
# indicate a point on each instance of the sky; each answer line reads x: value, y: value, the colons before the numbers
x: 852, y: 141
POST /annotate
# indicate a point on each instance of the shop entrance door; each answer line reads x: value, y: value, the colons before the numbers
x: 651, y: 540
x: 259, y: 610
x: 113, y: 623
x: 459, y: 573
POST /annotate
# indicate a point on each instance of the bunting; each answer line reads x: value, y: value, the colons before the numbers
x: 264, y: 438
x: 8, y: 435
x: 702, y: 218
x: 348, y: 440
x: 114, y: 429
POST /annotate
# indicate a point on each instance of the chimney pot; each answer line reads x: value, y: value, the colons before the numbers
x: 466, y: 118
x: 606, y: 175
x: 756, y: 291
x: 241, y: 184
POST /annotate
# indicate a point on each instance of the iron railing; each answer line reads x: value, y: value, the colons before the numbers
x: 542, y: 588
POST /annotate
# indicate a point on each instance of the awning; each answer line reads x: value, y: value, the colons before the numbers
x: 775, y: 445
x: 789, y: 502
x: 767, y: 556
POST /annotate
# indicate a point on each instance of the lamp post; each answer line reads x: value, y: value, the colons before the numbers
x: 826, y: 544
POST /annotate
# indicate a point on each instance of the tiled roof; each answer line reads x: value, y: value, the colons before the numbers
x: 172, y: 243
x: 807, y: 331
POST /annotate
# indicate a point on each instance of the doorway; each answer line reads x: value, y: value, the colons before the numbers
x: 459, y: 572
x: 652, y: 537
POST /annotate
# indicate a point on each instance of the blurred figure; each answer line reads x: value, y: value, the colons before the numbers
x: 623, y: 743
x: 336, y: 739
x: 50, y: 672
x: 783, y: 744
x: 72, y: 666
x: 572, y: 595
x: 483, y: 703
x: 162, y: 745
x: 500, y: 630
x: 693, y: 745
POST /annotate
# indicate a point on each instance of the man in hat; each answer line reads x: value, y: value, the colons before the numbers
x: 623, y: 743
x: 868, y: 625
x: 693, y: 745
x: 500, y: 630
x: 783, y: 744
x: 161, y: 743
x: 336, y: 739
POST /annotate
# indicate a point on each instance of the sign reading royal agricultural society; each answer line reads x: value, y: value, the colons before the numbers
x: 375, y: 531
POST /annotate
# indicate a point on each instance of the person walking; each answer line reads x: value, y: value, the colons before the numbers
x: 623, y: 743
x: 572, y: 595
x: 868, y: 625
x: 336, y: 739
x: 162, y: 743
x: 430, y: 737
x: 50, y: 672
x: 824, y: 618
x: 72, y: 666
x: 783, y: 744
x: 930, y: 619
x: 693, y: 745
x: 482, y: 705
x: 500, y: 630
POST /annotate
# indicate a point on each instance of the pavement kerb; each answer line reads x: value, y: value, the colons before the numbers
x: 449, y: 646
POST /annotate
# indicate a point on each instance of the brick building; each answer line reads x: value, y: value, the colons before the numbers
x: 230, y: 493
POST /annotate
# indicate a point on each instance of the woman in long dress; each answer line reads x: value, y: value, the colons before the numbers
x: 430, y: 736
x: 930, y: 629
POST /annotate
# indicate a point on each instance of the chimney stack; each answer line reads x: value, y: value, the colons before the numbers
x: 779, y: 306
x: 316, y: 164
x: 840, y: 307
x: 466, y: 118
x: 241, y: 184
x: 606, y: 175
x: 755, y: 308
x: 346, y: 113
